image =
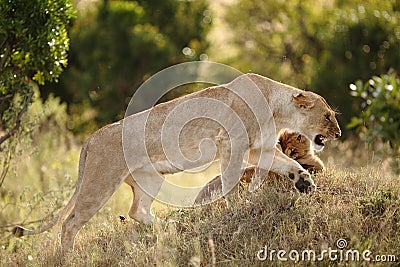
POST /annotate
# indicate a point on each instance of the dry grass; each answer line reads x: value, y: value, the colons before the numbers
x: 361, y: 205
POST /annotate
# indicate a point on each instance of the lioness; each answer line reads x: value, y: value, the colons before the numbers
x: 103, y: 164
x: 294, y: 145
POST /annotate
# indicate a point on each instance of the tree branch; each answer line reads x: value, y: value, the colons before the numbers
x: 3, y: 98
x: 3, y: 44
x: 18, y: 122
x: 6, y: 167
x: 35, y: 207
x: 9, y: 42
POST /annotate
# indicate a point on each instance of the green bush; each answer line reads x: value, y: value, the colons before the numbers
x: 379, y: 120
x: 33, y: 50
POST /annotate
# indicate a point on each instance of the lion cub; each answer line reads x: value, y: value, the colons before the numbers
x: 294, y: 145
x: 298, y: 147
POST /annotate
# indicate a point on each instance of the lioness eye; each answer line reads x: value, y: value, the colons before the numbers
x: 328, y: 117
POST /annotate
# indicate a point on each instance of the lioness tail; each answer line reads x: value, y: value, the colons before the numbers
x: 19, y: 231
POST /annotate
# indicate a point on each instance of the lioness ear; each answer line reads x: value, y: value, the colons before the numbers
x: 301, y: 101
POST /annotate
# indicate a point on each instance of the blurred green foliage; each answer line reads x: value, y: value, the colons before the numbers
x: 34, y: 41
x: 43, y: 171
x: 318, y: 45
x: 379, y: 120
x: 118, y: 46
x: 33, y: 46
x: 366, y: 42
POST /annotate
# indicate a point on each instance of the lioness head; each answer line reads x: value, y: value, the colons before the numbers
x: 319, y: 123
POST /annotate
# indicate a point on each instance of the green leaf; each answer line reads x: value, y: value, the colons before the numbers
x: 355, y: 122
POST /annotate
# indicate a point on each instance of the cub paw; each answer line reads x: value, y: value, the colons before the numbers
x: 303, y: 182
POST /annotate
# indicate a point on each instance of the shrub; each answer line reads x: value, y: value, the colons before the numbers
x: 378, y: 123
x: 33, y: 50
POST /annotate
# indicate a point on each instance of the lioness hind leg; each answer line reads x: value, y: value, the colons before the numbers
x: 99, y: 182
x: 85, y: 208
x: 70, y: 229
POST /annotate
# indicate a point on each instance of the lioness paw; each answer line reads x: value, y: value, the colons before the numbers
x: 303, y: 181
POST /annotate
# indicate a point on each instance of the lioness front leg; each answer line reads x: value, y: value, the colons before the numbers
x: 281, y: 164
x: 284, y: 165
x: 145, y: 186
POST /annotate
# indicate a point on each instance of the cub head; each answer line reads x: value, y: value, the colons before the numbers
x: 317, y: 118
x: 294, y: 145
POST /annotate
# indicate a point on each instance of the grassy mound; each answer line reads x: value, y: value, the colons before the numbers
x: 361, y: 207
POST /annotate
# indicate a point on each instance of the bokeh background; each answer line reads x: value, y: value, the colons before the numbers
x: 68, y: 68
